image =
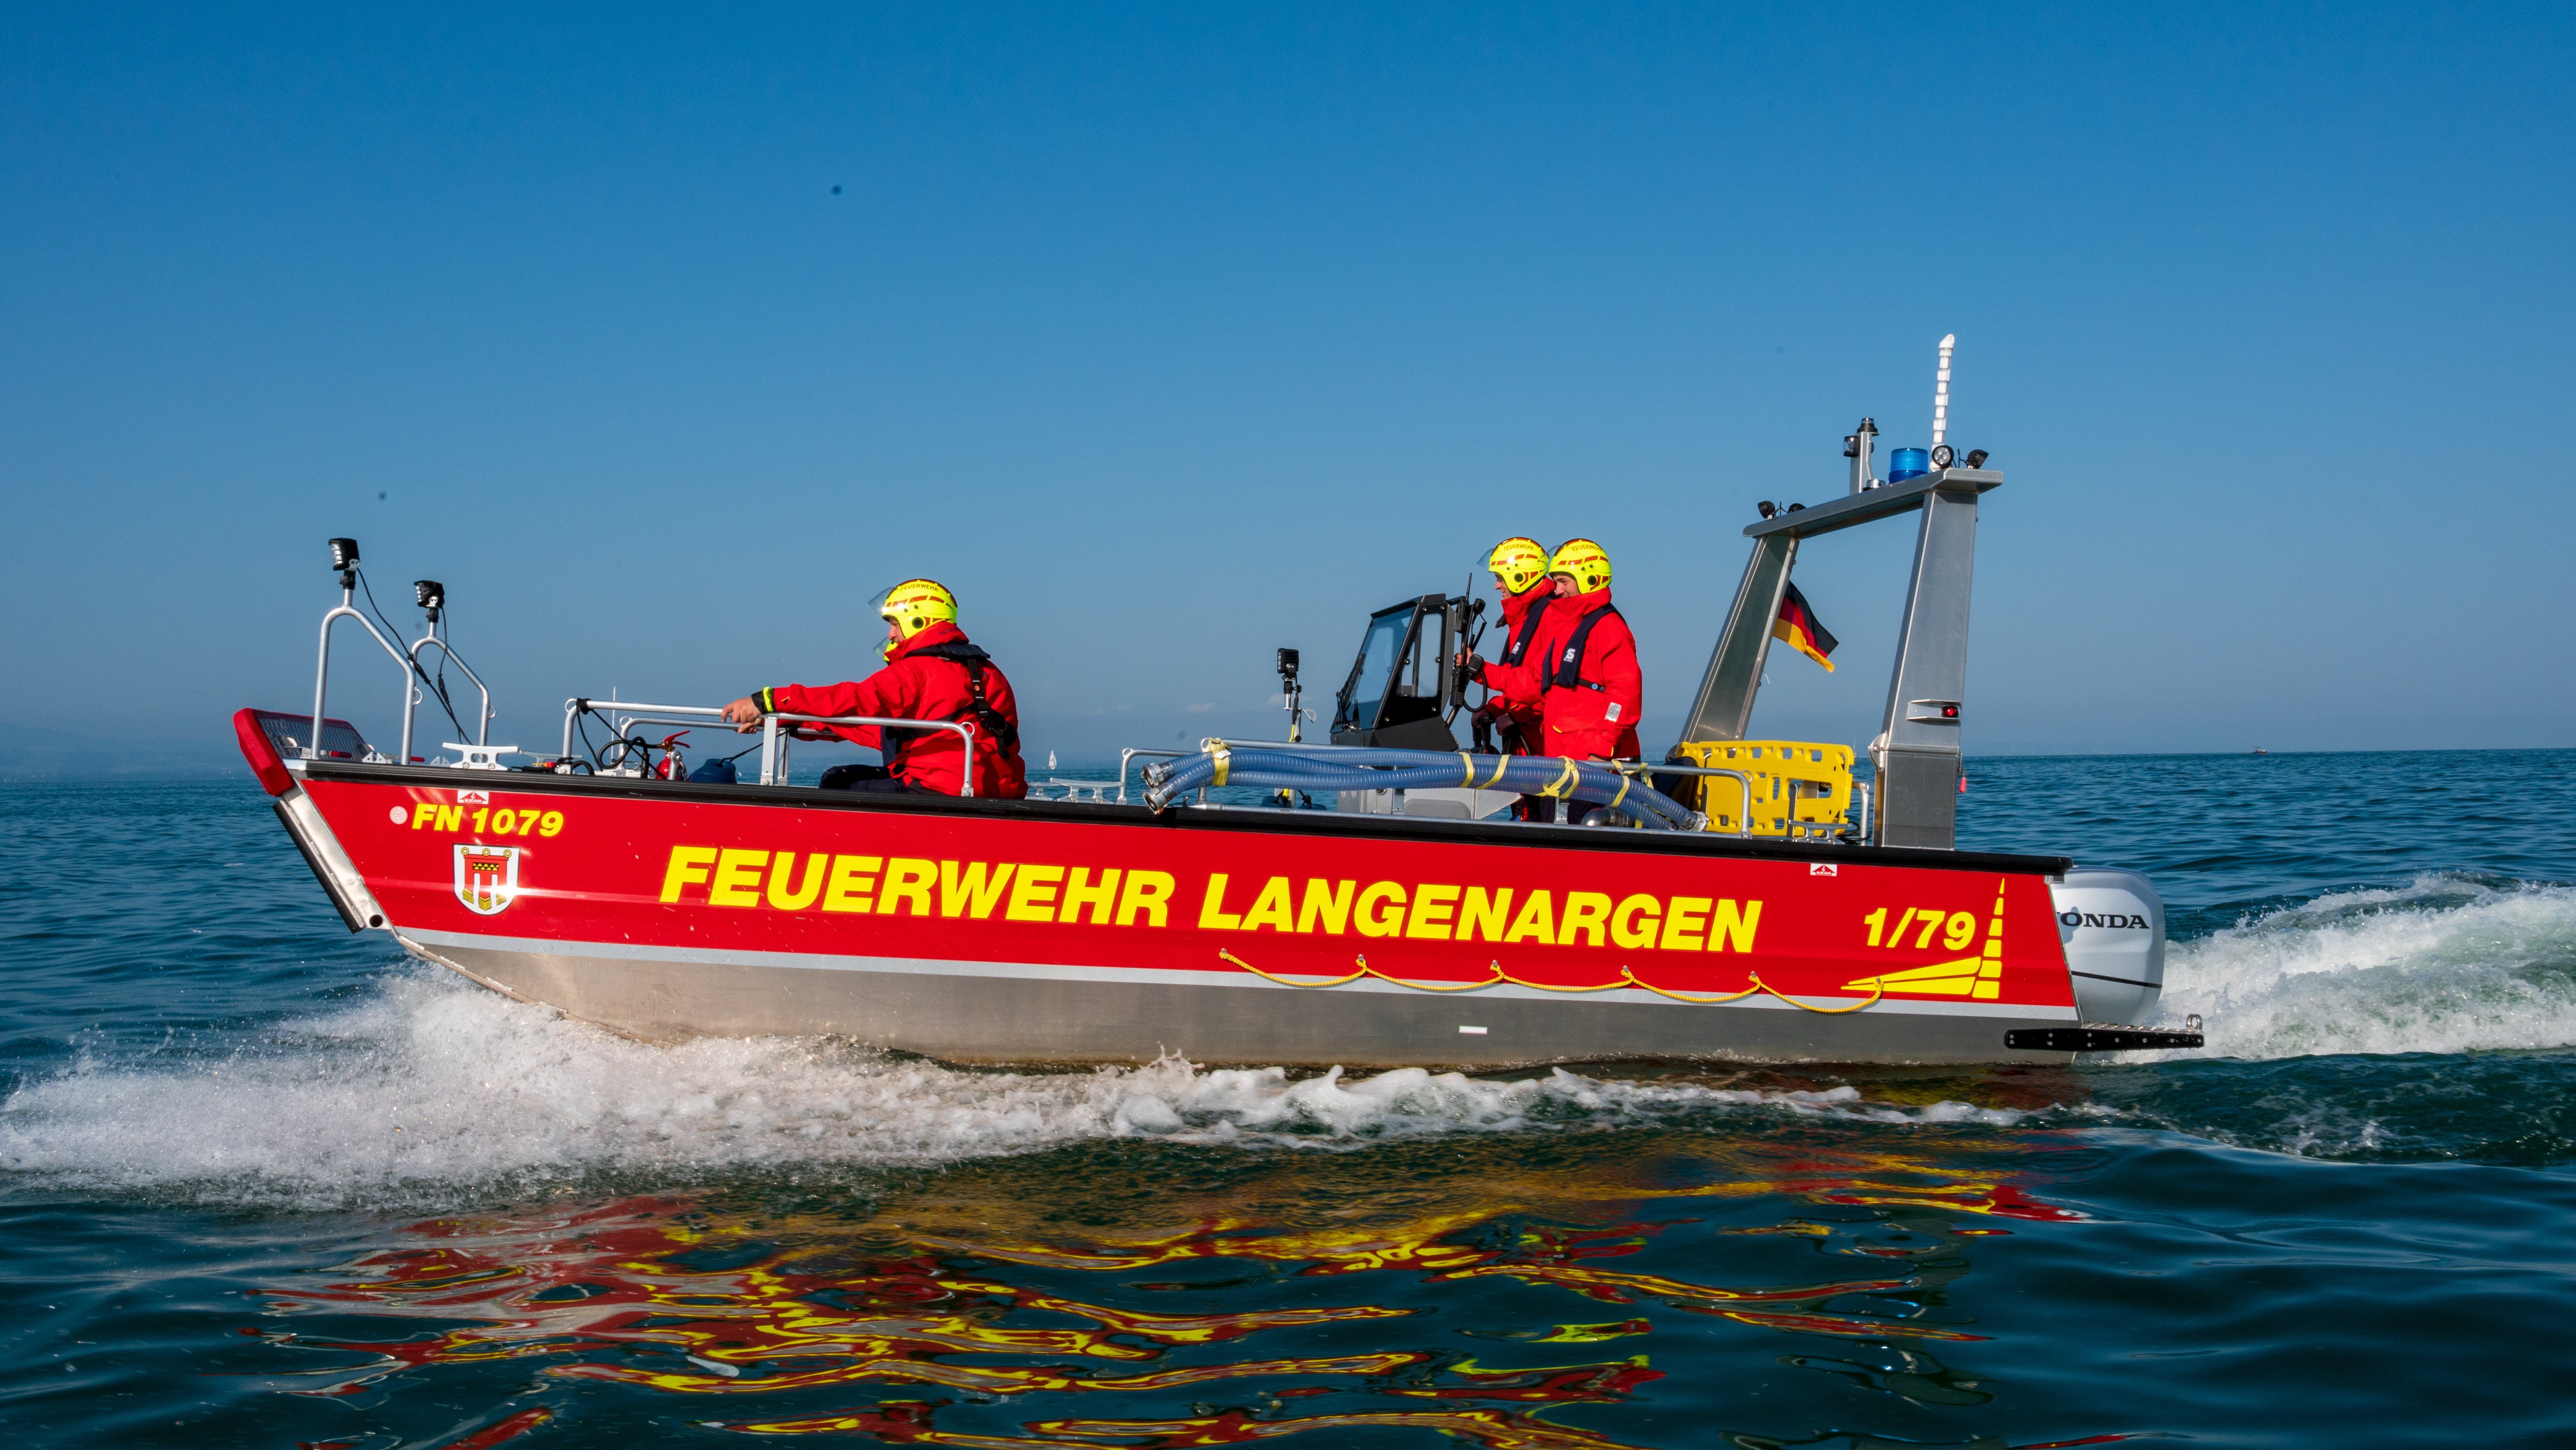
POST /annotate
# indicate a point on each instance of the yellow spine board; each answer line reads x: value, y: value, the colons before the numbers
x: 1792, y: 780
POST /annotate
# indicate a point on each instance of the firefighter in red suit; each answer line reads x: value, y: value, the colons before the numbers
x: 1517, y: 677
x: 932, y: 672
x: 1594, y: 689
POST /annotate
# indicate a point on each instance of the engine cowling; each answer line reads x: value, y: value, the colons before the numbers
x: 2112, y: 924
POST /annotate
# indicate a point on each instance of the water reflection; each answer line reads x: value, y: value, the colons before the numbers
x: 1142, y: 1295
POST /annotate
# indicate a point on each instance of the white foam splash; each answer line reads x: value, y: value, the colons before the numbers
x: 435, y: 1085
x: 2444, y: 964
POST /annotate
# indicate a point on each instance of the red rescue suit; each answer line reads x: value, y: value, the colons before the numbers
x: 1518, y: 678
x: 1594, y: 688
x: 931, y: 676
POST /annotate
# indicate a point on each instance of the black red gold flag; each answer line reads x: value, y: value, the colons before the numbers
x: 1799, y: 626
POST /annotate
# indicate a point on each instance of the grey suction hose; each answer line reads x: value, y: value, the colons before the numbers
x: 1368, y: 769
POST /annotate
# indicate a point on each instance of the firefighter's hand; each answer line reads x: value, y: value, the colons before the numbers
x: 1474, y: 665
x: 743, y: 715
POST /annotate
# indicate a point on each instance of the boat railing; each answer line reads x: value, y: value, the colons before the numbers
x: 773, y: 744
x: 322, y: 668
x: 1132, y: 754
x: 413, y: 693
x: 1647, y: 773
x: 625, y: 715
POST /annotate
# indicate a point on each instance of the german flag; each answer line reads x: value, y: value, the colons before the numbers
x: 1799, y: 626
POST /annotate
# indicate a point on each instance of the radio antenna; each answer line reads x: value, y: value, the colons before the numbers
x: 1941, y: 390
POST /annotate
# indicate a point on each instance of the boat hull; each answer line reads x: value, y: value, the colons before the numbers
x: 1050, y: 932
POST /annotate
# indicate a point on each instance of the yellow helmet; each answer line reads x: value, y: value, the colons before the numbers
x: 1519, y: 563
x: 1583, y: 561
x: 916, y: 604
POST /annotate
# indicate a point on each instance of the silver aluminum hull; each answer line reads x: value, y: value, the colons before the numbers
x: 1034, y: 1014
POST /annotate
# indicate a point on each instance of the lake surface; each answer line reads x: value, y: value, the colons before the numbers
x: 265, y: 1183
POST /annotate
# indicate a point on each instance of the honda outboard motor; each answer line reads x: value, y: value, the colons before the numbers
x: 2113, y: 926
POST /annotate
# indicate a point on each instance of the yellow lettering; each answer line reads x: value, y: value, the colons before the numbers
x: 1079, y: 893
x: 1684, y: 923
x: 422, y: 815
x: 1328, y: 905
x: 1148, y: 893
x: 1431, y: 908
x: 1376, y: 923
x: 1729, y: 928
x: 450, y: 818
x: 1033, y: 895
x: 1633, y: 924
x: 688, y: 866
x: 1586, y: 912
x: 1483, y: 913
x: 853, y: 879
x: 969, y: 890
x: 802, y: 896
x: 1270, y: 908
x: 1212, y: 913
x: 907, y: 878
x: 1537, y: 921
x: 737, y: 880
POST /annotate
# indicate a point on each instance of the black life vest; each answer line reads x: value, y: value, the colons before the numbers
x: 1516, y: 646
x: 1567, y: 672
x: 997, y: 727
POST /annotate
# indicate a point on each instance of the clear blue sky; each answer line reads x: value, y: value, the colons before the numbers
x: 1167, y: 335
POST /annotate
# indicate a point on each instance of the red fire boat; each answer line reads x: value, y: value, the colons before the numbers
x: 1769, y: 908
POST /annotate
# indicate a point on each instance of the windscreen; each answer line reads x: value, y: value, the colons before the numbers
x: 1378, y: 654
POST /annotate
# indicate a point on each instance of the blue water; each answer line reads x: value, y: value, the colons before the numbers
x: 268, y: 1184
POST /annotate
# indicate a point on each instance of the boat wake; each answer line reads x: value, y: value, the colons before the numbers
x: 436, y: 1086
x: 432, y: 1090
x: 2447, y: 963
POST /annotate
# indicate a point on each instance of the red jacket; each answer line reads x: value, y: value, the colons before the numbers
x: 1592, y: 700
x: 1519, y: 685
x: 920, y: 682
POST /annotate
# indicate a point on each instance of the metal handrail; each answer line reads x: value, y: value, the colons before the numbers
x: 1743, y: 821
x: 1131, y: 752
x: 412, y: 693
x: 322, y: 668
x: 578, y: 705
x: 772, y: 762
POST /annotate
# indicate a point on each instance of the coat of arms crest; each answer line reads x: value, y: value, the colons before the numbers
x: 487, y: 877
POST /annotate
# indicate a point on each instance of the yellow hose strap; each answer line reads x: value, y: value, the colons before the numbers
x: 1466, y: 769
x: 1624, y: 783
x: 1563, y: 785
x: 1627, y: 978
x: 1500, y: 762
x: 1223, y: 754
x: 1288, y: 981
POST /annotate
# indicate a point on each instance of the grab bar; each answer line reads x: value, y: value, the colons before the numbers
x: 773, y: 758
